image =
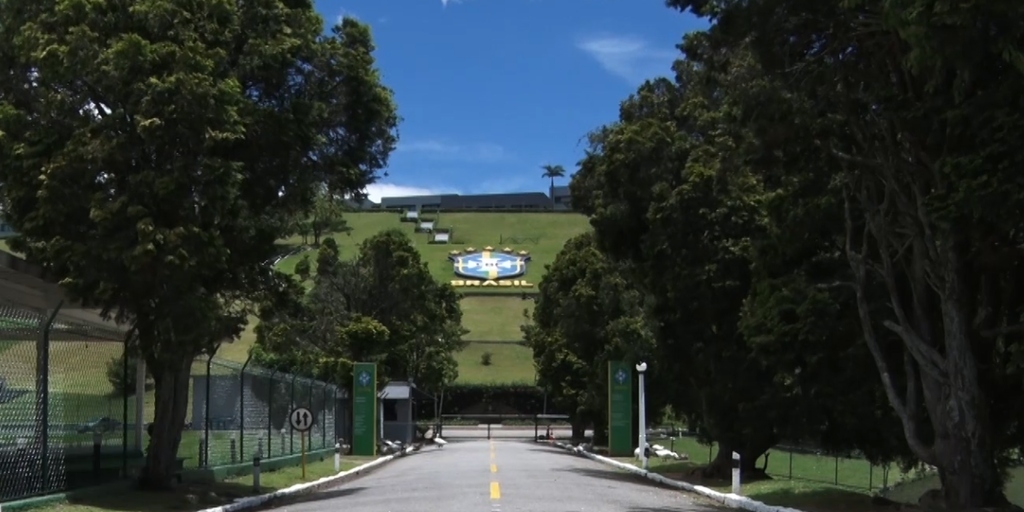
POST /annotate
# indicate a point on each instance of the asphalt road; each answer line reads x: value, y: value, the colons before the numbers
x: 496, y: 476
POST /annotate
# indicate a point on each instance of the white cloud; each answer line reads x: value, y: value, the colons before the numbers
x: 628, y: 57
x: 379, y: 190
x: 444, y: 3
x: 345, y: 13
x: 484, y: 152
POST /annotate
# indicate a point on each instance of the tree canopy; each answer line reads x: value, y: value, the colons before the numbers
x: 152, y: 152
x: 587, y: 314
x: 828, y: 189
x: 381, y: 306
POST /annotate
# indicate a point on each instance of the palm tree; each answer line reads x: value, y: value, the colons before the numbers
x: 553, y: 171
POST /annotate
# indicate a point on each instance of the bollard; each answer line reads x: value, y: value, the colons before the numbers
x: 256, y: 473
x: 202, y: 453
x: 234, y: 450
x: 97, y: 446
x: 672, y: 444
x: 282, y: 440
x: 735, y: 473
x: 337, y: 457
x: 488, y: 431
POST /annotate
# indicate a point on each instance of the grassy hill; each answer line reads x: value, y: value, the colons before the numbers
x: 542, y: 234
x: 493, y: 321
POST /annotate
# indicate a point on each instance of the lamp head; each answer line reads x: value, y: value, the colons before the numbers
x: 641, y: 367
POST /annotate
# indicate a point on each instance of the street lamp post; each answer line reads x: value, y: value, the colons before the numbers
x: 641, y: 369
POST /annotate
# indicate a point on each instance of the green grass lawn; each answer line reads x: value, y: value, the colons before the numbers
x: 478, y: 230
x: 192, y: 497
x: 491, y: 318
x: 802, y: 481
x: 510, y: 363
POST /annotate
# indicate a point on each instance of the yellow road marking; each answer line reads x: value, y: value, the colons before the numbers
x: 495, y: 491
x: 494, y: 468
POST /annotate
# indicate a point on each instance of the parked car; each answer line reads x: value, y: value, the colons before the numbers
x: 99, y: 426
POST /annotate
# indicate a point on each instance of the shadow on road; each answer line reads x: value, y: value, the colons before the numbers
x: 313, y: 496
x: 612, y: 474
x: 658, y: 509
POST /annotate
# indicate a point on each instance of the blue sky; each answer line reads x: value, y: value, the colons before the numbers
x: 490, y: 90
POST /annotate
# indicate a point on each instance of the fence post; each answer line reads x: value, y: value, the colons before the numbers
x: 837, y: 470
x: 124, y: 406
x: 791, y: 464
x: 43, y: 392
x: 256, y: 472
x: 291, y: 433
x: 270, y: 413
x: 241, y: 407
x: 871, y: 476
x: 206, y: 413
x: 323, y: 416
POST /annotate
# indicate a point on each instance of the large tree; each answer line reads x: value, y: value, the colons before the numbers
x: 665, y: 197
x: 588, y: 313
x: 913, y: 110
x: 151, y: 153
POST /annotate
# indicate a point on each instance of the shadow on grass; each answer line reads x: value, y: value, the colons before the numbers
x: 183, y: 497
x: 821, y: 500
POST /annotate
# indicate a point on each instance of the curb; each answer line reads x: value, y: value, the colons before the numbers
x: 727, y: 499
x: 255, y: 501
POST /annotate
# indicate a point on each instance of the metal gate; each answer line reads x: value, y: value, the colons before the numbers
x: 468, y: 427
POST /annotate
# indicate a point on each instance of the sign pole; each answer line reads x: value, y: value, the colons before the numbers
x: 302, y: 445
x: 302, y: 421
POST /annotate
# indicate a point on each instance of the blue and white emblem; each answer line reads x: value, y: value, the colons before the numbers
x: 489, y: 265
x: 364, y: 378
x: 620, y: 376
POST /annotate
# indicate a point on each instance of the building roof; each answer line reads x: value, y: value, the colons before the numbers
x: 402, y: 390
x: 561, y: 190
x: 24, y: 287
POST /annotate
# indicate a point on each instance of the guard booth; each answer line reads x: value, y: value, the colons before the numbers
x: 397, y: 405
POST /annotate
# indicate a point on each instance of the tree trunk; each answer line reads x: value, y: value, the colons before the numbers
x: 579, y: 429
x: 721, y: 467
x: 171, y: 407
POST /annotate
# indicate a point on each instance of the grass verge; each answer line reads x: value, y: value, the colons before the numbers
x: 191, y: 497
x: 806, y: 482
x: 489, y: 318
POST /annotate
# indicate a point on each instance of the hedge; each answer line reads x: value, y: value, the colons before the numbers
x: 472, y: 399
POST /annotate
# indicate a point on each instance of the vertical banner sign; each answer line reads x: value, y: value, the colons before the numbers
x: 364, y: 409
x: 620, y: 409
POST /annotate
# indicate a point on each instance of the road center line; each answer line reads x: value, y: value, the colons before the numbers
x: 495, y: 487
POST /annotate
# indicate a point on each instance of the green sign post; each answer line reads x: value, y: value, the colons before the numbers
x: 364, y: 409
x: 620, y: 409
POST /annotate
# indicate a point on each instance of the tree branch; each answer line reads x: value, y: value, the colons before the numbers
x: 902, y: 408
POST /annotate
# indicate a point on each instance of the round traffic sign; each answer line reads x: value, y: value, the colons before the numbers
x: 301, y: 419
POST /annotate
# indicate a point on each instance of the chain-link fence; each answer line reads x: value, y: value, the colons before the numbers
x: 66, y: 419
x: 238, y: 410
